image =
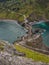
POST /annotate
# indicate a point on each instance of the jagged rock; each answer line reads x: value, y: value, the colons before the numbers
x: 10, y: 48
x: 9, y: 58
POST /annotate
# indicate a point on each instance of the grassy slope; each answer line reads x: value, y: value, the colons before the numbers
x: 32, y: 54
x: 23, y: 8
x: 28, y: 7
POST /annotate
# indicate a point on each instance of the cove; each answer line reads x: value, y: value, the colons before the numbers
x: 11, y: 31
x: 45, y: 34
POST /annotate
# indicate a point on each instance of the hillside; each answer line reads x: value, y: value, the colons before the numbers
x: 12, y: 56
x: 33, y: 9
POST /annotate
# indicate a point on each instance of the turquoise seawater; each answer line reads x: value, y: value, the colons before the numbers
x: 45, y: 34
x: 11, y: 31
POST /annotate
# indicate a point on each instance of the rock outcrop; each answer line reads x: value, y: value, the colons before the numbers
x: 9, y: 58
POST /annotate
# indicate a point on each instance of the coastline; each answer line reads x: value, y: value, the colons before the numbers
x: 11, y: 20
x: 8, y: 20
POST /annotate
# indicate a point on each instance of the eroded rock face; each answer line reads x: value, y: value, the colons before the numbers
x: 9, y: 58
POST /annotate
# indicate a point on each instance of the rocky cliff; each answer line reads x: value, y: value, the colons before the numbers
x: 7, y: 56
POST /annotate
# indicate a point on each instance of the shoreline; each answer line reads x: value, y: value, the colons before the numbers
x: 17, y: 20
x: 8, y: 20
x: 11, y: 20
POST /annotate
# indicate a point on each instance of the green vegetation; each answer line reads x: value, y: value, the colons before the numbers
x: 1, y: 47
x: 33, y: 9
x: 32, y: 54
